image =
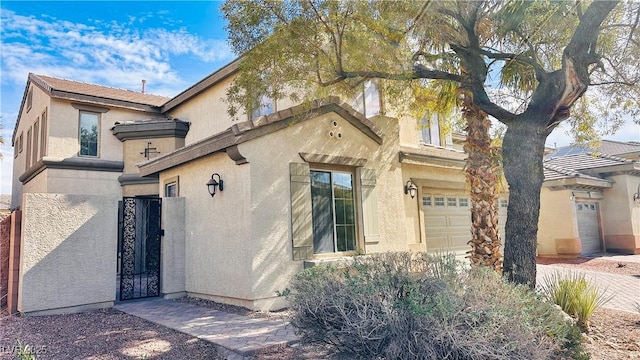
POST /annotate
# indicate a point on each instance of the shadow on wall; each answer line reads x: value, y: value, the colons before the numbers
x: 69, y: 251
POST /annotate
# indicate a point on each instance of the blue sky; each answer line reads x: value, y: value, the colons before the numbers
x: 172, y: 45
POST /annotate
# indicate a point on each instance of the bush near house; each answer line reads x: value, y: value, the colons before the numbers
x: 415, y: 306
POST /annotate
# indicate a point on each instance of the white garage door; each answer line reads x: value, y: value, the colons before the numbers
x: 447, y: 221
x: 588, y: 227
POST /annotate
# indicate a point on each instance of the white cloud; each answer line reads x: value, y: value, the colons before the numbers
x: 114, y: 54
x: 105, y: 52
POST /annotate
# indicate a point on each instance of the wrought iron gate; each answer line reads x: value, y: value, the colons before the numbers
x: 139, y: 248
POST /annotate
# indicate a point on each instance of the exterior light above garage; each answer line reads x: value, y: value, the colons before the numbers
x: 213, y: 183
x: 410, y: 188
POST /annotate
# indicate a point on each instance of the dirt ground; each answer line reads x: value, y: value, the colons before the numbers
x: 110, y: 334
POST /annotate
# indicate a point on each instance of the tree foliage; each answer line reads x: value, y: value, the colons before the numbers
x: 524, y: 63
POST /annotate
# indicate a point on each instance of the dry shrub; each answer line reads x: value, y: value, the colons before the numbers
x: 414, y: 306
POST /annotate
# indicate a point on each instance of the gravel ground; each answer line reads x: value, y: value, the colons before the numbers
x: 110, y: 334
x: 105, y: 335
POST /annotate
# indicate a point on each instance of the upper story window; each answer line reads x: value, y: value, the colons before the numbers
x: 432, y: 133
x: 89, y: 133
x: 368, y: 100
x: 265, y: 107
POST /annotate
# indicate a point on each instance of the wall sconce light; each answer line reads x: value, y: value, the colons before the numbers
x: 410, y: 188
x: 213, y: 183
x: 636, y: 196
x: 572, y: 197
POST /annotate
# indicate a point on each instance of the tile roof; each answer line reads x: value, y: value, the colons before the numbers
x: 617, y: 147
x: 81, y: 88
x: 606, y: 146
x: 586, y: 161
x: 552, y: 172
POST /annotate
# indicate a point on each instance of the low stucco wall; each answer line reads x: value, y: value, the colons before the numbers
x: 68, y: 253
x: 173, y: 246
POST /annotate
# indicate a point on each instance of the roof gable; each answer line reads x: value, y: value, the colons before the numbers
x: 262, y: 126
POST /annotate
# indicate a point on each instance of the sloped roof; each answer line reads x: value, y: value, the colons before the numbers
x: 552, y: 172
x: 90, y: 93
x: 586, y: 170
x: 76, y: 87
x: 583, y: 161
x: 248, y: 130
x: 606, y: 147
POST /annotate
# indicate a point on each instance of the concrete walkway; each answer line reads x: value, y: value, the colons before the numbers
x: 235, y: 336
x: 240, y: 337
x: 625, y: 289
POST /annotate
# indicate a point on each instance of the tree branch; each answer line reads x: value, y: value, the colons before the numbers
x: 516, y: 57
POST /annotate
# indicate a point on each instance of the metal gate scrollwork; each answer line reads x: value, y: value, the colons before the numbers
x: 139, y: 249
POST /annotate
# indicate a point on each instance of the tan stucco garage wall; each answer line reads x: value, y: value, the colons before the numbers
x: 270, y: 156
x: 68, y: 253
x: 217, y: 230
x: 621, y: 220
x: 557, y: 225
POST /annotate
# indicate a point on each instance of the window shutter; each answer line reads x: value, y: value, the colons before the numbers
x: 369, y: 205
x: 301, y: 222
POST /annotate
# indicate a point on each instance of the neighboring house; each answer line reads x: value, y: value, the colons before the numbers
x: 590, y: 201
x: 113, y: 188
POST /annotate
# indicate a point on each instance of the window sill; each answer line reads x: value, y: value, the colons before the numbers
x: 337, y: 262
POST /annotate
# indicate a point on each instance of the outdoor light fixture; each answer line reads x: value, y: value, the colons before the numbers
x: 636, y: 196
x: 572, y: 197
x: 410, y: 188
x: 213, y: 183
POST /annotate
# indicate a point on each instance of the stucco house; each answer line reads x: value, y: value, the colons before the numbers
x: 120, y: 194
x: 590, y: 201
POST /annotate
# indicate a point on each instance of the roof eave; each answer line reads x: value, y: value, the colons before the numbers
x: 204, y: 84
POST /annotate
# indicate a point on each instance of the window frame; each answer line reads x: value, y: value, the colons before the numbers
x: 174, y: 181
x: 98, y: 123
x: 340, y: 169
x: 263, y: 110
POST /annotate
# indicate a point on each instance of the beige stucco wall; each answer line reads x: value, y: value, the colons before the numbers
x: 557, y: 225
x: 40, y: 104
x: 621, y: 215
x: 173, y: 247
x: 68, y: 252
x: 217, y: 230
x: 207, y: 112
x: 272, y: 265
x: 133, y: 150
x: 65, y: 181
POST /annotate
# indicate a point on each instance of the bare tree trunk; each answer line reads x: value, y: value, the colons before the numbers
x: 523, y: 151
x: 480, y: 172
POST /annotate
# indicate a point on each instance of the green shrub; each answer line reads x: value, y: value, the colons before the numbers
x: 575, y: 295
x: 414, y: 306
